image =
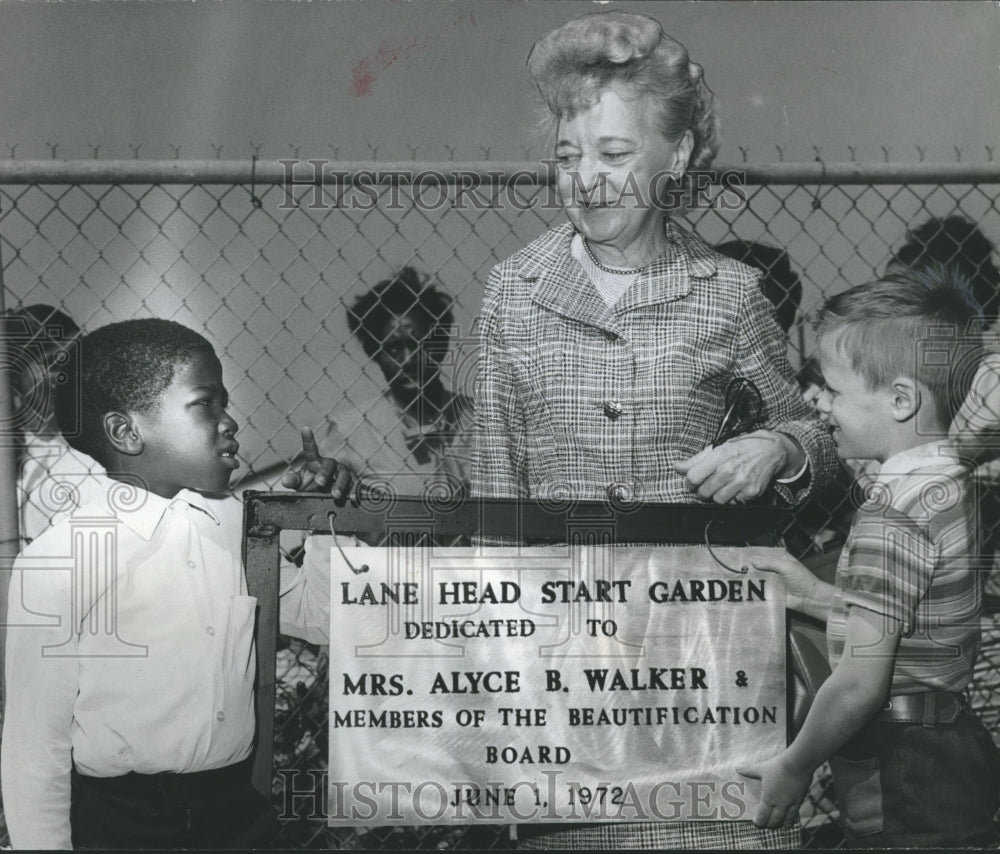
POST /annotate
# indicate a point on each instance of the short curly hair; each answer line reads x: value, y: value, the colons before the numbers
x: 576, y: 61
x: 955, y: 241
x: 406, y: 293
x: 121, y: 367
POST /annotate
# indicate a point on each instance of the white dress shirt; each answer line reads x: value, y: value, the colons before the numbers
x: 129, y: 648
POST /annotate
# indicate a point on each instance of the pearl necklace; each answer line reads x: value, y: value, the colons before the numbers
x: 615, y: 271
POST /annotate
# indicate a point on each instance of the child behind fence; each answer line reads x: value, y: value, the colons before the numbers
x: 53, y: 478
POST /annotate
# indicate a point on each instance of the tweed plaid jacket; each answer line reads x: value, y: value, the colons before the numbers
x: 576, y: 399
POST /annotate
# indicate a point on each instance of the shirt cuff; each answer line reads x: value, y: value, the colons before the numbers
x: 800, y: 473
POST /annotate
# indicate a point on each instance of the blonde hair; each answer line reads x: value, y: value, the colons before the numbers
x: 923, y: 324
x: 576, y: 61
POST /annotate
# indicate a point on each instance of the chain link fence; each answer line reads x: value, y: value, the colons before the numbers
x: 264, y: 258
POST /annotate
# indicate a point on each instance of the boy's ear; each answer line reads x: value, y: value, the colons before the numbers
x: 120, y: 432
x: 906, y: 398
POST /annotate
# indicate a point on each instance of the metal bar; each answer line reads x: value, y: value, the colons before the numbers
x: 261, y: 559
x: 844, y: 174
x: 306, y: 171
x: 530, y: 521
x: 9, y: 516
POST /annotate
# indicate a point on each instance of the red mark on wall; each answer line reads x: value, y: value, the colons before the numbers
x: 366, y: 71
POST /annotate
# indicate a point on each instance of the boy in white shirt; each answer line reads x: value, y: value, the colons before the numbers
x: 130, y: 664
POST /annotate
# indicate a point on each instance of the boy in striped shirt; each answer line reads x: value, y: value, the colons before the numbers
x: 912, y: 766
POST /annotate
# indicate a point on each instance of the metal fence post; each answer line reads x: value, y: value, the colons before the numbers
x: 9, y: 516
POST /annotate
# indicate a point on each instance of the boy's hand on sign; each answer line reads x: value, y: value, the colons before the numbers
x: 801, y: 586
x: 318, y: 473
x: 782, y: 790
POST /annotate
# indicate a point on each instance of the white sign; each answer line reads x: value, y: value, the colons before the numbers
x: 550, y: 684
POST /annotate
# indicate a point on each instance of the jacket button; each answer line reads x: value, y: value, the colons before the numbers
x: 613, y: 409
x: 619, y: 492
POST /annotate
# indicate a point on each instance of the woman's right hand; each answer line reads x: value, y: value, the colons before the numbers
x: 743, y: 468
x: 317, y: 473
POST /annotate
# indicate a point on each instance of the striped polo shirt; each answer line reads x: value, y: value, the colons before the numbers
x: 910, y: 555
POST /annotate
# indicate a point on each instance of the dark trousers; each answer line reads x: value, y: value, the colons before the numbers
x: 906, y: 785
x: 208, y: 809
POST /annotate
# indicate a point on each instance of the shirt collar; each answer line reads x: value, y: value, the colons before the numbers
x: 563, y: 287
x: 908, y: 461
x: 142, y: 511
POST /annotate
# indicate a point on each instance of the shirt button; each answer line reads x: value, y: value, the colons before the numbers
x: 211, y: 630
x: 611, y: 336
x: 220, y: 716
x: 192, y: 564
x: 613, y: 409
x: 619, y: 492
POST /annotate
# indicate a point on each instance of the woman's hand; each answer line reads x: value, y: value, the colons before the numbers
x: 318, y: 472
x: 782, y: 790
x: 743, y: 468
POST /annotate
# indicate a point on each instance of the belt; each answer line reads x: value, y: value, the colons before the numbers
x: 171, y: 787
x: 927, y: 708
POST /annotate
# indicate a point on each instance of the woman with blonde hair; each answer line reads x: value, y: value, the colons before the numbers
x: 608, y: 343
